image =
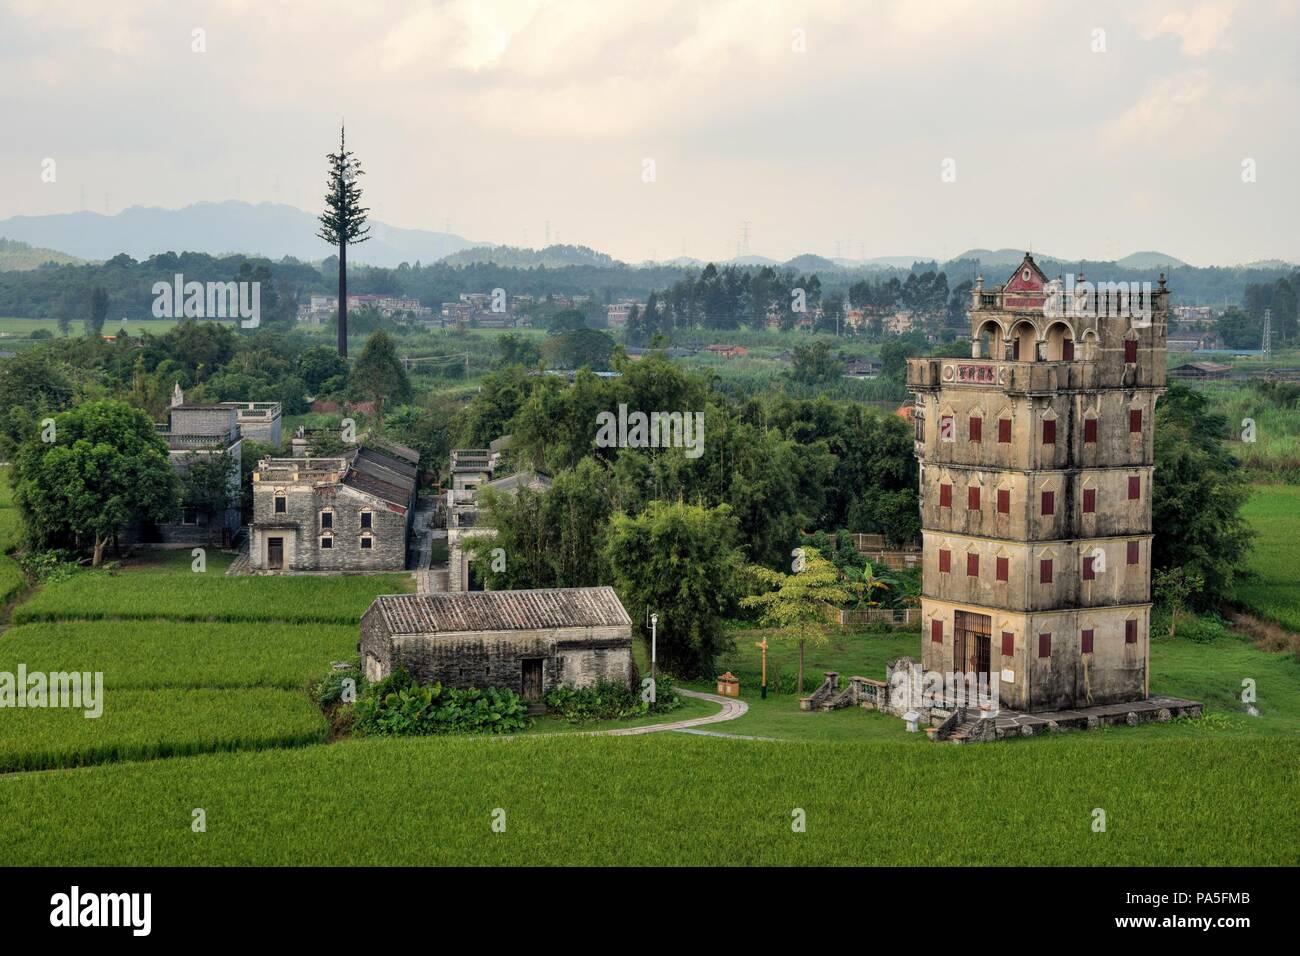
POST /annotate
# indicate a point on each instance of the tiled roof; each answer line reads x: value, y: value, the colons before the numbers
x: 500, y: 610
x: 380, y: 476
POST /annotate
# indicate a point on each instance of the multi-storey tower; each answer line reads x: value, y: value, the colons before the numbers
x: 1036, y: 467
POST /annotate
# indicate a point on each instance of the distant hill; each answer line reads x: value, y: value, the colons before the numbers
x: 1149, y: 260
x: 1268, y: 264
x: 810, y: 263
x: 752, y: 261
x: 18, y: 256
x: 552, y: 257
x: 273, y: 230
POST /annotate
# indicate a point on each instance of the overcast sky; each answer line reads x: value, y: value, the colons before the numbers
x: 824, y: 125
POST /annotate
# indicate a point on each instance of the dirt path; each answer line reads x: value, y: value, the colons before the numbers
x: 732, y: 707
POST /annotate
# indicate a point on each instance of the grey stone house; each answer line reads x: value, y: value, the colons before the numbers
x: 526, y: 641
x: 350, y: 513
x: 193, y: 431
x: 258, y: 421
x: 465, y: 520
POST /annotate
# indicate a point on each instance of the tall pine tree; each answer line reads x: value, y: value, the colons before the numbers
x: 343, y: 222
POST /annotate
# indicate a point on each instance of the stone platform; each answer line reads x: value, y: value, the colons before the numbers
x: 969, y: 726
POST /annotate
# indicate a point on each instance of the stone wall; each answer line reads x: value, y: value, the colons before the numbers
x: 579, y: 657
x: 302, y: 527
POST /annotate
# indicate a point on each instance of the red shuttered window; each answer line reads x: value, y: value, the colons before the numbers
x: 976, y: 428
x: 1049, y: 502
x: 945, y: 561
x: 1008, y: 644
x: 1132, y: 552
x: 936, y: 632
x: 1049, y: 432
x: 1090, y: 430
x: 945, y: 496
x: 1089, y: 500
x: 1002, y: 569
x: 1044, y: 645
x: 1130, y: 632
x: 1087, y: 641
x: 1135, y: 420
x: 1134, y: 487
x: 1131, y: 351
x: 1088, y: 574
x: 1004, y: 430
x: 1045, y: 571
x: 972, y: 565
x: 973, y: 499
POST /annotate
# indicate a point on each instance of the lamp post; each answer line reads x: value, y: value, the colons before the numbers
x: 762, y: 645
x: 654, y: 626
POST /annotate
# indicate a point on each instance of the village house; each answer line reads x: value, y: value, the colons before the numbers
x: 345, y: 513
x: 471, y: 471
x: 192, y: 432
x: 525, y: 641
x: 1201, y: 371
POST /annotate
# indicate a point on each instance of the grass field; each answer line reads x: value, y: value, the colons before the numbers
x: 211, y: 596
x: 671, y: 800
x: 138, y: 724
x: 204, y: 708
x: 23, y: 328
x: 1273, y: 591
x: 150, y: 654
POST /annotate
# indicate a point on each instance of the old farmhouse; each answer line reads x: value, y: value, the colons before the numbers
x: 346, y: 513
x: 526, y: 641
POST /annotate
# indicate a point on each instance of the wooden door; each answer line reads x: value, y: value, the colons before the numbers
x: 275, y: 554
x: 531, y: 688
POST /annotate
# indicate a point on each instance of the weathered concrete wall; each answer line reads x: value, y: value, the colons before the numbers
x: 1114, y: 580
x: 1114, y: 671
x: 305, y: 503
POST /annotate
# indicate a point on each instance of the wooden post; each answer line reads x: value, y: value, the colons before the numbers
x: 763, y: 687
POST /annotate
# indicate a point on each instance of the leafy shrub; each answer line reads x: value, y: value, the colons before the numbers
x: 608, y: 700
x: 399, y: 707
x: 50, y: 567
x: 329, y: 690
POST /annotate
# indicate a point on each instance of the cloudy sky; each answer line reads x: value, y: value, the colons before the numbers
x: 857, y: 128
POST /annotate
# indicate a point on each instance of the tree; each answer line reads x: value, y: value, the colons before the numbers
x: 206, y: 485
x: 795, y: 604
x: 551, y: 539
x: 679, y: 561
x: 105, y: 467
x: 1174, y: 586
x: 343, y: 222
x: 320, y: 365
x: 813, y: 364
x: 379, y: 374
x: 578, y: 348
x: 97, y: 311
x: 1198, y: 492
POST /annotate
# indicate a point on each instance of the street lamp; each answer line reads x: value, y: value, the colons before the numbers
x: 763, y: 646
x: 654, y: 625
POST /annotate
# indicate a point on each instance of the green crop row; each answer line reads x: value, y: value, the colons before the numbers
x: 145, y: 724
x: 673, y: 799
x: 209, y: 597
x: 183, y: 654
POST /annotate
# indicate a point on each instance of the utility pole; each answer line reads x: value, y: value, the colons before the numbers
x: 1268, y: 323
